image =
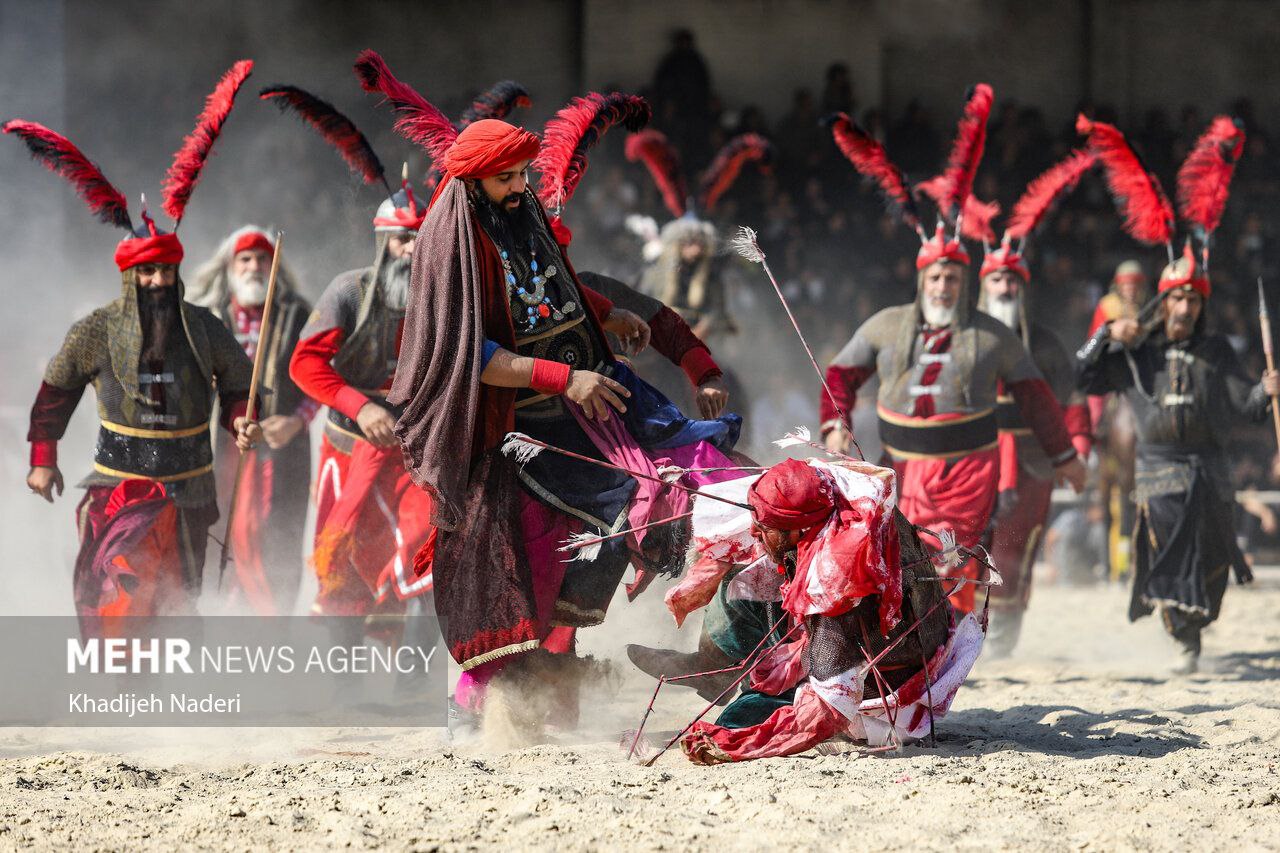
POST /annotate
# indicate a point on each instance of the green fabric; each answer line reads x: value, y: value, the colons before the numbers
x: 737, y: 628
x: 752, y: 708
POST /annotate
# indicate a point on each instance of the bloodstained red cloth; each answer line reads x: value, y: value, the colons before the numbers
x: 791, y: 496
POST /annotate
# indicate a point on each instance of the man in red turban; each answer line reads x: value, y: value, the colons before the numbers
x: 501, y: 335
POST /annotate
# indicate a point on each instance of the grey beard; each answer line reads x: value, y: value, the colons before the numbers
x: 1006, y: 311
x: 937, y: 315
x: 249, y: 291
x: 395, y: 283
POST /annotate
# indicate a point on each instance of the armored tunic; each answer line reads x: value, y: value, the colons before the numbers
x: 154, y: 417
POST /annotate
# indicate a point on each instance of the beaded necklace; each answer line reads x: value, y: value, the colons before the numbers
x: 538, y: 306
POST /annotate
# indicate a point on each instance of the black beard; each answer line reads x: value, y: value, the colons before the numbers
x: 510, y: 228
x: 157, y: 311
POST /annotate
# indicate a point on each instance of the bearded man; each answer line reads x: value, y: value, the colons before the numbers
x: 370, y: 520
x: 157, y: 363
x: 940, y: 366
x: 1187, y: 389
x: 501, y: 335
x: 1026, y: 473
x: 266, y: 539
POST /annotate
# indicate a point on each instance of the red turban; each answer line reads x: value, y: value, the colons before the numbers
x: 156, y: 249
x: 488, y: 147
x: 253, y: 240
x: 791, y: 495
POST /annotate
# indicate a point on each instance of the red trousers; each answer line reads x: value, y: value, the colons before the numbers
x: 952, y: 494
x: 370, y: 522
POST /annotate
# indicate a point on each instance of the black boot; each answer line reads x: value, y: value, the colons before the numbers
x: 708, y: 658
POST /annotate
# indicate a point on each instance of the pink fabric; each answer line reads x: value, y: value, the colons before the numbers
x: 652, y: 501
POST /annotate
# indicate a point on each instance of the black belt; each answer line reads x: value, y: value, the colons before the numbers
x: 1009, y: 416
x: 914, y: 438
x: 151, y: 454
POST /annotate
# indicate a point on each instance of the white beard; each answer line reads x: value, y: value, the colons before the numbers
x: 395, y: 283
x: 1006, y: 311
x: 249, y: 291
x: 937, y: 316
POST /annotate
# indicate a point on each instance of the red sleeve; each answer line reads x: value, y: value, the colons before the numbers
x: 844, y: 383
x: 1079, y: 422
x: 50, y: 415
x: 311, y: 369
x: 672, y: 338
x: 600, y: 305
x: 1007, y: 443
x: 233, y: 406
x: 1042, y: 412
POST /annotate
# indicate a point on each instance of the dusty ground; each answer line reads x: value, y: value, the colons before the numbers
x: 1079, y: 742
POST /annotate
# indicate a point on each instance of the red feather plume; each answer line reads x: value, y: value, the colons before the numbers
x: 978, y: 215
x: 57, y: 154
x: 966, y: 150
x: 727, y: 165
x: 571, y: 133
x: 662, y: 160
x: 1204, y: 181
x: 196, y: 147
x: 338, y: 130
x: 496, y: 102
x: 419, y: 122
x: 1047, y: 190
x: 869, y: 158
x: 1148, y: 215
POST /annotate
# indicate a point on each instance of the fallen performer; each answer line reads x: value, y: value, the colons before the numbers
x: 836, y: 579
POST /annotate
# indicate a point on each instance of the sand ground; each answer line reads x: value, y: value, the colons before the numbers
x: 1081, y: 741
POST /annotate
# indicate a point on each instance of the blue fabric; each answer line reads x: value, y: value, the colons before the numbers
x: 653, y: 420
x: 657, y: 423
x: 487, y: 349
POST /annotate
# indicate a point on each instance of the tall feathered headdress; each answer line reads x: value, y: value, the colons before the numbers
x: 662, y: 161
x: 727, y: 165
x: 660, y: 157
x: 1040, y: 197
x: 495, y: 102
x: 1204, y: 182
x: 570, y: 135
x: 951, y: 191
x: 189, y: 160
x: 148, y: 244
x: 334, y: 127
x: 419, y: 120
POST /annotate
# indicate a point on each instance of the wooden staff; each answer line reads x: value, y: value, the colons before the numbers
x: 1265, y: 321
x: 264, y: 332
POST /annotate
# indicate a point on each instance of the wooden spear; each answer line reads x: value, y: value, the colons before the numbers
x: 1265, y: 321
x: 264, y: 333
